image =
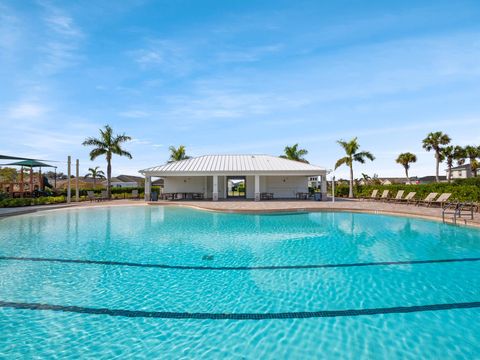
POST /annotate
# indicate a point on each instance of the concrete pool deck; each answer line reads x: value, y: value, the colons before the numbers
x: 372, y: 207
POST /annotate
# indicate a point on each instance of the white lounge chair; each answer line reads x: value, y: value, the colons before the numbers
x: 373, y: 196
x: 398, y: 196
x: 442, y: 199
x: 384, y: 196
x: 430, y: 197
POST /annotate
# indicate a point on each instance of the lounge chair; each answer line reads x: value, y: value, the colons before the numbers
x: 442, y: 199
x: 373, y: 196
x: 410, y: 198
x: 135, y: 194
x: 103, y: 195
x: 91, y: 195
x: 430, y: 197
x: 398, y: 196
x: 384, y: 196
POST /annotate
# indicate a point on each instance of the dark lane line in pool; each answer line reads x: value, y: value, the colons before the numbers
x: 239, y: 316
x: 236, y: 268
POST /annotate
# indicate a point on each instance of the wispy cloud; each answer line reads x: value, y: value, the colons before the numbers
x: 249, y: 54
x: 10, y: 30
x: 164, y: 55
x: 27, y: 110
x: 62, y: 41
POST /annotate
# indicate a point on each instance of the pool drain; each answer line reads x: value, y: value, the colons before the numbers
x: 207, y: 257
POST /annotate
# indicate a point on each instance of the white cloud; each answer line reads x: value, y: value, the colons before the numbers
x: 26, y: 110
x: 165, y: 55
x: 10, y: 31
x: 62, y: 39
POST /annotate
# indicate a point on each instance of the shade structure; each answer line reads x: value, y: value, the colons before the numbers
x: 30, y: 163
x: 7, y: 157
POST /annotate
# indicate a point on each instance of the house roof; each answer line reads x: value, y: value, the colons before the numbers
x: 129, y: 178
x: 461, y: 167
x: 158, y: 182
x: 126, y: 179
x: 431, y: 178
x: 234, y: 164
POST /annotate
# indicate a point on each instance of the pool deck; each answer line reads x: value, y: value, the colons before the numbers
x: 373, y: 207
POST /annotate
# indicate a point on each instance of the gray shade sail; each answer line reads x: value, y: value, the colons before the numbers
x: 30, y: 163
x: 6, y: 157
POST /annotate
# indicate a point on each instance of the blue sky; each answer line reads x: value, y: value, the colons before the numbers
x: 239, y: 77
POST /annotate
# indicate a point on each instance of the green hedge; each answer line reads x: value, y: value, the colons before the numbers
x: 32, y: 201
x: 117, y: 193
x: 460, y: 191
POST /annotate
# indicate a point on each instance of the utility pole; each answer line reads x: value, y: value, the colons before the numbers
x: 69, y: 173
x: 77, y: 190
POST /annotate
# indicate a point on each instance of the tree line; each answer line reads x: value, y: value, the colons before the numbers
x: 109, y: 144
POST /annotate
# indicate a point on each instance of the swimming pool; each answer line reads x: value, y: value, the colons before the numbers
x: 174, y: 282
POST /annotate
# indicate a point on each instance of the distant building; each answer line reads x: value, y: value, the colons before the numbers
x: 159, y: 182
x: 430, y: 179
x: 315, y: 182
x: 461, y: 172
x: 126, y: 181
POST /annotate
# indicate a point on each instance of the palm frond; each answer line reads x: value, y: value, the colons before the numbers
x: 97, y: 152
x: 343, y: 161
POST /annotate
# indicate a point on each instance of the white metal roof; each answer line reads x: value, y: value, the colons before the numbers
x: 233, y: 164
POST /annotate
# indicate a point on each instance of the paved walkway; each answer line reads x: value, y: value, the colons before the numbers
x: 268, y: 206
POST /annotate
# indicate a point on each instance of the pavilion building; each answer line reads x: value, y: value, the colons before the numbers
x: 236, y: 176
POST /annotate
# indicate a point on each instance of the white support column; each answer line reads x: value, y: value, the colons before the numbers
x: 205, y: 188
x: 323, y: 187
x: 148, y: 187
x: 215, y: 188
x: 69, y: 173
x: 77, y: 189
x: 257, y: 187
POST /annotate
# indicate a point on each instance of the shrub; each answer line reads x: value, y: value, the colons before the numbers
x: 32, y: 201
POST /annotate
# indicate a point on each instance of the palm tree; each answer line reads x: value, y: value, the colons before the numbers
x: 95, y: 173
x: 451, y: 153
x: 177, y: 154
x: 108, y: 144
x: 294, y: 153
x: 351, y: 149
x: 434, y: 141
x: 472, y: 152
x: 405, y: 159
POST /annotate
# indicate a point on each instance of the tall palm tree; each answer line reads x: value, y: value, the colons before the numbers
x: 351, y: 149
x: 108, y: 144
x: 472, y: 153
x: 450, y: 154
x: 95, y: 173
x: 434, y: 141
x: 177, y: 154
x: 405, y: 159
x: 294, y: 153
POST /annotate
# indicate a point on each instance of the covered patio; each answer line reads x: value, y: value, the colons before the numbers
x: 222, y: 177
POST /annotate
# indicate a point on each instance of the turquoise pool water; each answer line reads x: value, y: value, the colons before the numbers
x: 178, y: 283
